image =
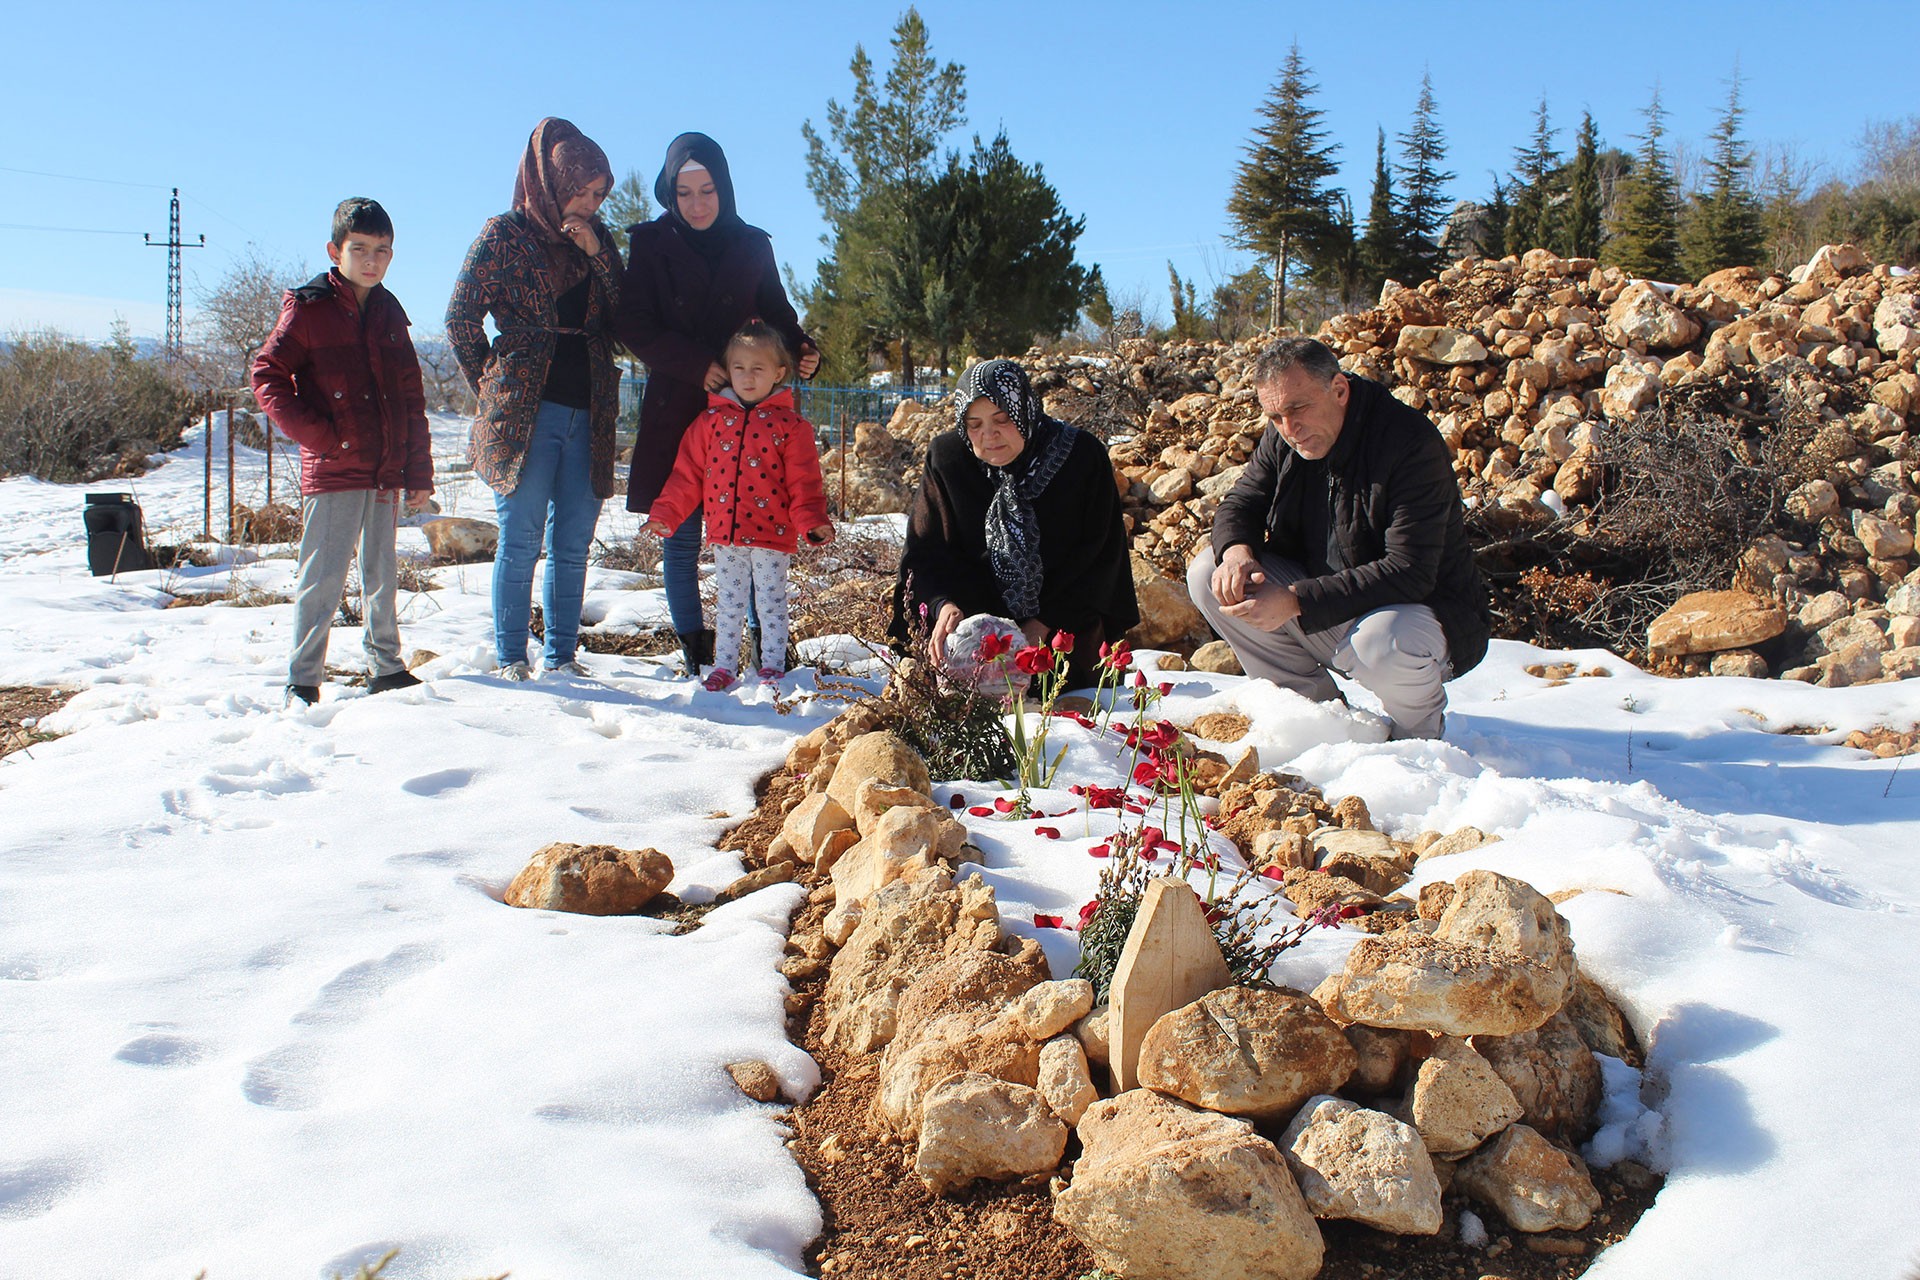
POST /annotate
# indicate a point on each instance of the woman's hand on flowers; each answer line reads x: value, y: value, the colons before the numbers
x: 943, y: 625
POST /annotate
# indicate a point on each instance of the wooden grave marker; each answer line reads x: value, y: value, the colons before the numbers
x: 1171, y: 959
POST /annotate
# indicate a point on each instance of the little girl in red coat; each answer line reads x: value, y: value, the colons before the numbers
x: 750, y: 459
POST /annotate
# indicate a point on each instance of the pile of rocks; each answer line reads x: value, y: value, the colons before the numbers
x: 1526, y: 364
x: 1455, y: 1049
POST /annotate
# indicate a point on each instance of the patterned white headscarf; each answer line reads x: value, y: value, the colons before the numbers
x: 1013, y: 532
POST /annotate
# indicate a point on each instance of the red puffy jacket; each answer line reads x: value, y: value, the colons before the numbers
x: 756, y: 470
x: 343, y: 382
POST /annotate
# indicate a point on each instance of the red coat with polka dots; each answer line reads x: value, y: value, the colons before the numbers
x: 755, y: 469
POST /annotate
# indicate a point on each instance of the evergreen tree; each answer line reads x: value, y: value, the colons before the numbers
x: 1644, y: 234
x: 1499, y: 217
x: 1423, y: 149
x: 1726, y: 228
x: 1338, y: 265
x: 1188, y: 320
x: 626, y: 205
x: 1531, y: 223
x: 1579, y: 235
x: 931, y: 251
x: 1280, y: 207
x: 1383, y: 247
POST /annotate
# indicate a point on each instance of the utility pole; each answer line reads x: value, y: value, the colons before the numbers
x: 173, y: 244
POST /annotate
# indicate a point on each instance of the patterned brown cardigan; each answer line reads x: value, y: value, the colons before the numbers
x: 506, y: 274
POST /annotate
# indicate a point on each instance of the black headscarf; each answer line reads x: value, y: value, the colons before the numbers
x: 699, y: 147
x: 1013, y: 531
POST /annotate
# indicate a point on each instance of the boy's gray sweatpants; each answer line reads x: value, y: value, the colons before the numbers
x: 1399, y: 652
x: 333, y: 525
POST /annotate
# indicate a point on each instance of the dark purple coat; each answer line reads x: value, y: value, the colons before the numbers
x: 676, y: 313
x: 342, y: 381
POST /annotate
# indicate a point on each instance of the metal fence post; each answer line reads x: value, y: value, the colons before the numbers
x: 229, y: 470
x: 206, y: 485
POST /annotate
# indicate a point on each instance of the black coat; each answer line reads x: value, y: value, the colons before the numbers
x: 1087, y: 580
x: 1375, y: 523
x: 677, y: 311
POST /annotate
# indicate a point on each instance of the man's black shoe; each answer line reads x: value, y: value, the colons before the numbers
x: 402, y: 679
x: 307, y: 693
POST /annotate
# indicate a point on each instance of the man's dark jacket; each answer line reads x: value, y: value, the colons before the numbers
x: 1376, y: 522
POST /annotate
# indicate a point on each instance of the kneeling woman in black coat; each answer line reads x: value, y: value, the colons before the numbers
x: 1017, y: 515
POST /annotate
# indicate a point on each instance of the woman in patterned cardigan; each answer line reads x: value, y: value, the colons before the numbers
x: 549, y: 274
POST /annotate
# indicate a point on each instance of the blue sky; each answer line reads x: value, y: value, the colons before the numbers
x: 265, y: 114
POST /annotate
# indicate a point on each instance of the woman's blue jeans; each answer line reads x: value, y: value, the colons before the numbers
x: 680, y: 574
x: 555, y: 497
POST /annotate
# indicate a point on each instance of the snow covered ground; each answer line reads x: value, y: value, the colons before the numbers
x: 262, y: 1012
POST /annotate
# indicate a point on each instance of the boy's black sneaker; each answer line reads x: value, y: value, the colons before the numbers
x: 401, y: 679
x: 307, y: 693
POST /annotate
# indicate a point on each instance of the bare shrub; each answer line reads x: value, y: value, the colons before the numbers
x: 72, y: 411
x: 845, y: 588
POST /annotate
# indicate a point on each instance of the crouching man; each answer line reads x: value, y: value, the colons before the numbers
x: 1341, y: 548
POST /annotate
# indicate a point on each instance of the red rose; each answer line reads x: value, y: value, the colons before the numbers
x: 1063, y: 642
x: 1034, y: 659
x: 1088, y: 911
x: 1162, y: 734
x: 1146, y: 773
x: 994, y: 645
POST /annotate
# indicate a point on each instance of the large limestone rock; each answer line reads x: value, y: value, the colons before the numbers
x: 1247, y: 1052
x: 1896, y: 323
x: 957, y: 1016
x: 1552, y: 1073
x: 1439, y: 344
x: 904, y: 928
x: 458, y: 540
x: 1168, y: 618
x: 1713, y: 620
x: 590, y: 879
x: 1499, y: 962
x: 1167, y: 1191
x: 810, y: 826
x: 879, y: 757
x: 1458, y: 1101
x: 1065, y: 1080
x: 1364, y: 1165
x: 1533, y: 1184
x: 904, y: 841
x: 1642, y: 314
x: 977, y: 1126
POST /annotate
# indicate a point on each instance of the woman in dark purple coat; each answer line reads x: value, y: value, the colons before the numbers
x: 694, y: 276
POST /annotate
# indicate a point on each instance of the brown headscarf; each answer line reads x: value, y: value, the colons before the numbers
x: 558, y: 164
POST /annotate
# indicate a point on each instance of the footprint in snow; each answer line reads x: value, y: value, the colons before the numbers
x: 161, y: 1050
x: 352, y: 992
x: 284, y: 1079
x: 439, y: 783
x: 30, y: 1189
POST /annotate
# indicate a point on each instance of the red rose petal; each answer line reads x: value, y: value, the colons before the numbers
x: 956, y: 801
x: 1046, y: 922
x: 1274, y: 873
x: 1003, y: 804
x: 1100, y: 851
x: 1049, y: 832
x: 981, y: 811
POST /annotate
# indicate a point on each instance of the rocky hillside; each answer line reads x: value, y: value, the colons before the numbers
x: 1621, y: 445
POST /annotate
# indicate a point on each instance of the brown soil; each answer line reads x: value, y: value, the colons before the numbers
x: 26, y: 702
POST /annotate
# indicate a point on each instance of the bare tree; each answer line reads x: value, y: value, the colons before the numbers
x: 1890, y: 154
x: 237, y: 315
x: 440, y: 375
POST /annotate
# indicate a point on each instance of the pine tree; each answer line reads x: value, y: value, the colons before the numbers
x: 1383, y: 247
x: 1531, y: 222
x: 1726, y: 227
x: 1280, y: 207
x: 1644, y: 235
x: 627, y: 205
x: 1423, y: 148
x: 1499, y: 217
x: 1580, y: 229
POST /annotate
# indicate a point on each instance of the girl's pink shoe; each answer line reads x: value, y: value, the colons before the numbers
x: 772, y: 675
x: 719, y: 679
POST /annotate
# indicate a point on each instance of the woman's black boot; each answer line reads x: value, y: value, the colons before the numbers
x: 696, y: 649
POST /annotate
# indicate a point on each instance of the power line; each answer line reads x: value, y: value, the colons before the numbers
x: 71, y: 177
x: 81, y: 231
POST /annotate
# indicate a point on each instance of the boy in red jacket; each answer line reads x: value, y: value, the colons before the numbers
x: 339, y: 376
x: 751, y: 461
